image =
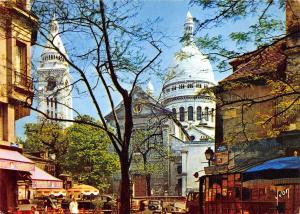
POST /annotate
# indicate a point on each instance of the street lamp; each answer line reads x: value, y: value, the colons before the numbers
x: 209, y: 155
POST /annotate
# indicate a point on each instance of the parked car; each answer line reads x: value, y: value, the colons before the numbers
x: 155, y: 206
x: 25, y: 205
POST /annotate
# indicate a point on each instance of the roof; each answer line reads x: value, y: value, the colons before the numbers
x: 263, y: 61
x: 13, y: 160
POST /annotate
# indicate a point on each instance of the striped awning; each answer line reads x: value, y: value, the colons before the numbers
x: 13, y: 160
x: 83, y: 189
x: 51, y: 192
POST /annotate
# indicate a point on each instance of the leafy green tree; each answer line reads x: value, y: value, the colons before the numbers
x: 89, y: 156
x: 48, y: 137
x: 82, y: 150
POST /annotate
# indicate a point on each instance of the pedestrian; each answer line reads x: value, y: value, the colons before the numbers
x: 33, y: 210
x: 107, y: 206
x: 73, y: 207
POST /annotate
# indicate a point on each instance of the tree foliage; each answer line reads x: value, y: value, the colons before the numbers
x: 89, y: 157
x: 48, y: 137
x: 81, y: 150
x: 262, y: 21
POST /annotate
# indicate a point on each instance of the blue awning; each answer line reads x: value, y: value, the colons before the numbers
x: 277, y: 164
x: 285, y: 167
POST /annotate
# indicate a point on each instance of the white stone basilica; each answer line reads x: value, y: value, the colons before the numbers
x: 187, y: 77
x: 54, y: 79
x: 188, y: 74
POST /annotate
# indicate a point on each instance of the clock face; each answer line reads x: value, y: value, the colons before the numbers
x: 137, y: 108
x: 51, y: 84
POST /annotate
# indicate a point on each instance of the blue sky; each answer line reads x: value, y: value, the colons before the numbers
x: 172, y: 14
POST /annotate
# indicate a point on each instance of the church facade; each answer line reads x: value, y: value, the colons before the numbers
x: 189, y: 132
x: 54, y: 79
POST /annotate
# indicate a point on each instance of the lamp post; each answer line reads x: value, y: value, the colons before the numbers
x: 209, y: 155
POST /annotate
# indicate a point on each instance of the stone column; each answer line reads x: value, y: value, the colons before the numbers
x: 184, y: 158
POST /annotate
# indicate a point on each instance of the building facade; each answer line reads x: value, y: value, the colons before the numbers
x: 151, y: 119
x: 186, y: 94
x: 258, y: 131
x: 18, y: 27
x: 54, y: 79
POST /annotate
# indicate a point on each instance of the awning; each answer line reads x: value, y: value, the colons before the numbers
x: 50, y: 192
x: 83, y: 189
x: 42, y: 179
x: 13, y: 160
x: 285, y: 167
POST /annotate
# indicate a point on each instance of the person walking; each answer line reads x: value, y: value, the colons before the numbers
x: 73, y: 207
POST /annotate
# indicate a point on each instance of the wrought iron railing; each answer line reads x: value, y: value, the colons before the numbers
x: 22, y: 80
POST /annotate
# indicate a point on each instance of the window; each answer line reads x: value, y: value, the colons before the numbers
x: 174, y: 112
x: 198, y: 85
x: 21, y: 58
x: 181, y: 86
x: 206, y: 113
x: 190, y: 85
x: 190, y: 113
x: 199, y: 113
x: 51, y: 84
x: 181, y: 114
x: 174, y: 88
x: 212, y: 114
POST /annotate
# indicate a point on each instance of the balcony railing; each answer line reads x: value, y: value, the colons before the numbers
x: 23, y: 81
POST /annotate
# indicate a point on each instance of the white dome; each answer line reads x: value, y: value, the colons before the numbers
x: 190, y: 64
x: 50, y: 56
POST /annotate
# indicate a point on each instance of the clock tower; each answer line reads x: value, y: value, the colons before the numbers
x: 54, y: 79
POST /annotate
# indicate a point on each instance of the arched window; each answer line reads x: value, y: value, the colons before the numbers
x: 190, y: 113
x: 206, y: 113
x: 174, y: 112
x: 181, y: 114
x: 212, y: 114
x: 199, y: 113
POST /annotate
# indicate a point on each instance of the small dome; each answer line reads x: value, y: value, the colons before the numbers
x: 54, y: 34
x: 190, y: 64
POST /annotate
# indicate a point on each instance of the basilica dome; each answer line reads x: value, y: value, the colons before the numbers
x: 189, y: 64
x: 184, y: 91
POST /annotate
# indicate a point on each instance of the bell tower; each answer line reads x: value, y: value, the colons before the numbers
x: 54, y: 79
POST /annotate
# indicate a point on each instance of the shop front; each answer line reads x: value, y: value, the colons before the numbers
x: 271, y: 187
x: 14, y: 168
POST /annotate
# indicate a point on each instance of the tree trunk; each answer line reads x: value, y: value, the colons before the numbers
x: 125, y: 195
x: 148, y: 184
